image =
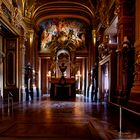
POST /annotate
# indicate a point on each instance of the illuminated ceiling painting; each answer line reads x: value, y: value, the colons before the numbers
x: 63, y: 31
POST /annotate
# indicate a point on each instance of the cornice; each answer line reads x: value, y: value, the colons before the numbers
x: 63, y: 4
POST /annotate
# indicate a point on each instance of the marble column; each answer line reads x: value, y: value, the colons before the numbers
x: 126, y: 28
x: 22, y: 96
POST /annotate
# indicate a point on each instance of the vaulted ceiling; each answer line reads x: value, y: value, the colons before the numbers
x: 42, y: 10
x: 95, y: 13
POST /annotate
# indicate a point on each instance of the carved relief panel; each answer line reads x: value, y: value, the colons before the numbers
x: 11, y: 62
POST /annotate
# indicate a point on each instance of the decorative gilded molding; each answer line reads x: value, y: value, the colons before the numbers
x: 16, y: 17
x: 1, y: 12
x: 6, y: 11
x: 12, y: 17
x: 117, y: 9
x: 22, y: 40
x: 7, y: 4
x: 62, y: 9
x: 49, y: 4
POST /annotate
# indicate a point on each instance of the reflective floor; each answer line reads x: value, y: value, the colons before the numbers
x: 78, y: 119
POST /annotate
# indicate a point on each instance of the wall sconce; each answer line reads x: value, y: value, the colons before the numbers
x: 49, y: 74
x: 33, y: 71
x: 31, y: 38
x: 2, y: 55
x: 78, y: 75
x: 94, y: 36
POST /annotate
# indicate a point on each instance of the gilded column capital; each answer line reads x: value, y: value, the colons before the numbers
x: 1, y: 12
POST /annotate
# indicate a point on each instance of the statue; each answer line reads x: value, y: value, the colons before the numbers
x: 62, y: 68
x: 94, y: 83
x: 28, y: 77
x: 127, y: 67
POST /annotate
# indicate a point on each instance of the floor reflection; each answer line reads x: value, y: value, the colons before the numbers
x: 80, y: 115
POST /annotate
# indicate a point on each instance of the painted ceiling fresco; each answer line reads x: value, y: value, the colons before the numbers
x: 62, y: 31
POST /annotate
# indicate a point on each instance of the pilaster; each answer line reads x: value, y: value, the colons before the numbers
x: 94, y: 47
x: 22, y: 40
x: 126, y: 28
x: 135, y: 91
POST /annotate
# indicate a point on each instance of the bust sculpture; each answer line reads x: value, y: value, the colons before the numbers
x: 62, y: 68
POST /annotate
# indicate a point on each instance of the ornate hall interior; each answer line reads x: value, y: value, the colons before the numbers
x: 69, y: 69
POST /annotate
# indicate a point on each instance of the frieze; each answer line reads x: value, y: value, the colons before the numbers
x: 16, y: 18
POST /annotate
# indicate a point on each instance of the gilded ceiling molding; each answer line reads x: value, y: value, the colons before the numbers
x: 61, y: 9
x: 69, y: 9
x: 65, y: 9
x: 7, y: 3
x: 11, y: 18
x: 62, y: 2
x: 50, y: 11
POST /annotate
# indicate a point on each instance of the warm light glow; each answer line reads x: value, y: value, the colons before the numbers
x: 94, y: 36
x: 34, y: 85
x: 33, y: 71
x: 49, y: 74
x: 94, y: 41
x: 78, y: 75
x: 31, y: 38
x: 65, y: 74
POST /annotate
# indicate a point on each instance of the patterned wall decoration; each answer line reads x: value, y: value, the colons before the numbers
x: 63, y: 30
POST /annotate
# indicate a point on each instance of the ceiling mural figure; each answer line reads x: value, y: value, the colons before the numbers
x: 63, y: 31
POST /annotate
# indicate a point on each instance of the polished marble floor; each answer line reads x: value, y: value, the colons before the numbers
x: 78, y: 119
